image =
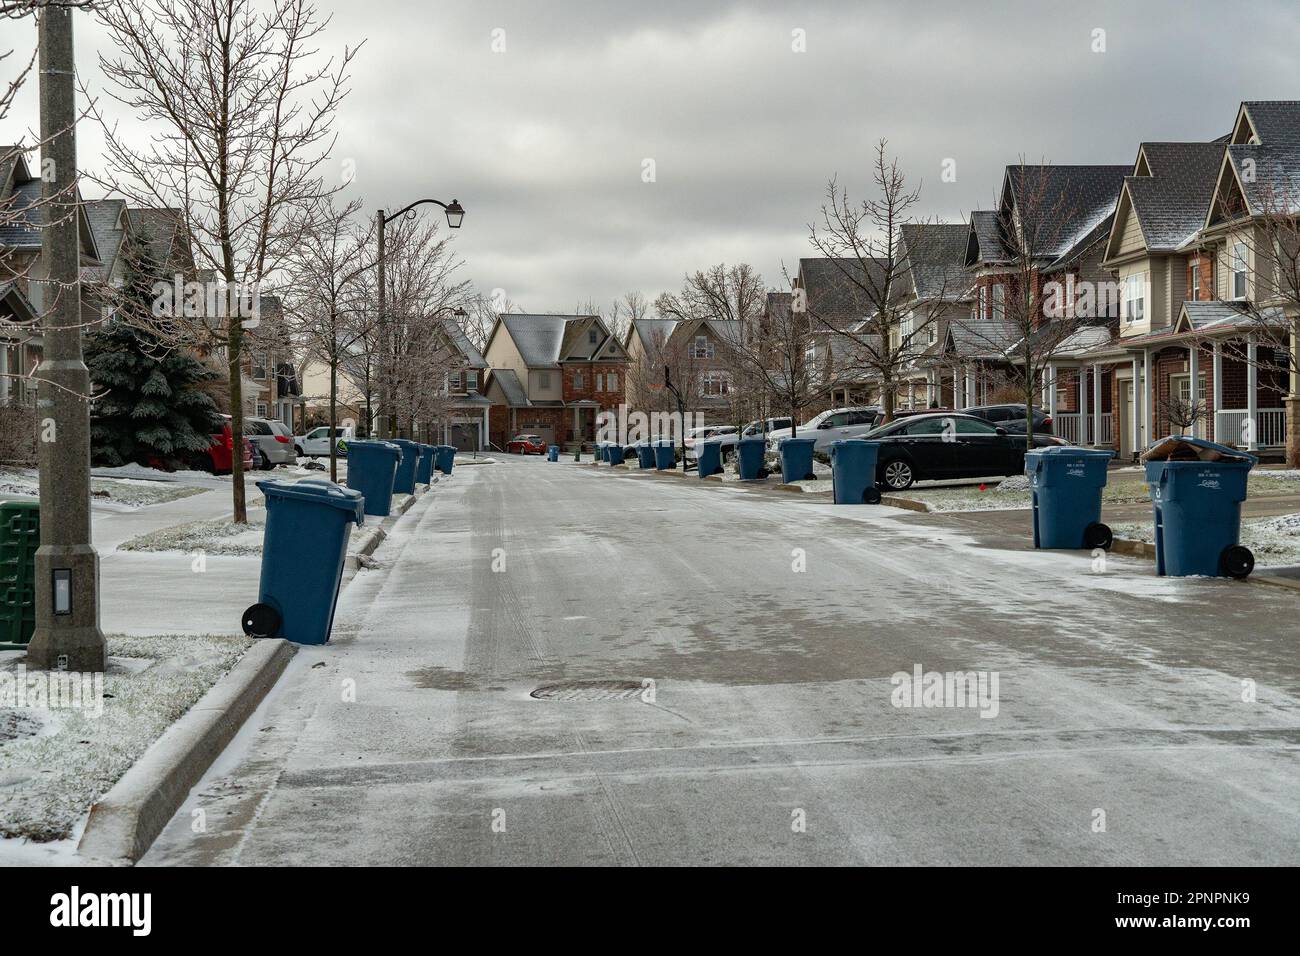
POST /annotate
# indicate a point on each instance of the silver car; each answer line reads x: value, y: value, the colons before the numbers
x: 273, y: 439
x: 832, y: 425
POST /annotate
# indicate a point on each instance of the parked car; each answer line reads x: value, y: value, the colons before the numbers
x: 711, y: 432
x: 316, y: 443
x: 217, y: 458
x: 526, y: 445
x: 1012, y: 417
x: 831, y: 425
x: 948, y: 445
x: 273, y: 440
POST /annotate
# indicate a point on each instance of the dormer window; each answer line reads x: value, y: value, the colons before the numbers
x: 1135, y: 297
x: 1194, y: 279
x: 471, y: 380
x: 591, y: 336
x: 703, y: 348
x: 1239, y: 270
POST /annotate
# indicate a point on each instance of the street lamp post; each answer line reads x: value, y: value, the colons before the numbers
x: 455, y: 216
x: 67, y: 635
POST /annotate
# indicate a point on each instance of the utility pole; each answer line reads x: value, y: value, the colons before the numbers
x: 382, y: 222
x: 67, y: 635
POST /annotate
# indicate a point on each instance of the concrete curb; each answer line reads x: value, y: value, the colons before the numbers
x: 125, y: 821
x: 1134, y: 548
x: 907, y: 504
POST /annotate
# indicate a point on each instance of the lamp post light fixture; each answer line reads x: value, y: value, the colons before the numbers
x: 455, y: 216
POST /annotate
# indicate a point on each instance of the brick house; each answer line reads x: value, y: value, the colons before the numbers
x: 551, y: 375
x: 695, y: 351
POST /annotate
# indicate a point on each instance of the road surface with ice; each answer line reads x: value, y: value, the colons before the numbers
x: 1139, y: 720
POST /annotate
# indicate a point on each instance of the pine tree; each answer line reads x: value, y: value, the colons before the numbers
x: 149, y: 408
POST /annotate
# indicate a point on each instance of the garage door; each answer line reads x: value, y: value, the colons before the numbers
x: 547, y: 432
x: 465, y: 437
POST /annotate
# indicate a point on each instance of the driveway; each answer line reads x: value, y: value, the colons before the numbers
x: 724, y: 662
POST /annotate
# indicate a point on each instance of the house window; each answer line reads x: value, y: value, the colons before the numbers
x: 1239, y: 270
x: 703, y: 348
x: 611, y: 381
x: 1194, y: 280
x: 983, y: 302
x: 577, y: 380
x: 716, y: 384
x: 999, y: 301
x: 261, y: 409
x: 591, y: 336
x: 471, y: 380
x: 259, y: 366
x: 600, y: 382
x: 543, y: 379
x: 905, y: 328
x: 1135, y: 297
x: 453, y: 381
x: 1183, y: 387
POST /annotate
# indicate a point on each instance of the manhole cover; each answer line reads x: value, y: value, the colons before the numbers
x: 590, y: 690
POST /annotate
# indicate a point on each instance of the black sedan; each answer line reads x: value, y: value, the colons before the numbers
x: 946, y: 445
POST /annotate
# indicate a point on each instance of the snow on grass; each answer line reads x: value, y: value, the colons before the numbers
x: 49, y: 779
x: 1274, y: 541
x: 221, y: 535
x: 130, y: 492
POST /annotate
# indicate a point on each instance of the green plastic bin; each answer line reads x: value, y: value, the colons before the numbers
x: 20, y: 536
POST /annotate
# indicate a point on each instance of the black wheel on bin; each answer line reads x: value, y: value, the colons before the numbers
x: 872, y: 495
x: 1236, y: 561
x: 763, y: 472
x: 810, y: 477
x: 261, y: 620
x: 1098, y: 535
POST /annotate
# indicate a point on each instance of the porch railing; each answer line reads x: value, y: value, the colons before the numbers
x: 1230, y: 427
x: 1068, y: 426
x: 1106, y: 427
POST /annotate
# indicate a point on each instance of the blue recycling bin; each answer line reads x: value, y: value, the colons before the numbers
x: 1197, y: 488
x: 372, y: 469
x: 445, y: 458
x: 645, y: 455
x: 602, y: 451
x: 853, y: 471
x: 797, y: 459
x: 750, y: 453
x: 552, y: 452
x: 709, y: 460
x: 665, y: 457
x: 404, y: 482
x: 615, y: 453
x: 1066, y: 482
x: 424, y: 467
x: 304, y: 546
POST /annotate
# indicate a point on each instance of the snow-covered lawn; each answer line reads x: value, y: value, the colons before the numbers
x: 223, y: 536
x: 1274, y: 541
x: 55, y: 763
x: 130, y: 492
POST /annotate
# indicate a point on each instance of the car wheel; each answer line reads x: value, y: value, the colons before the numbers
x: 298, y: 451
x: 898, y: 474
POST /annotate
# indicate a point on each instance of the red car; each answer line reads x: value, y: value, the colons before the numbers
x: 526, y: 445
x: 217, y: 458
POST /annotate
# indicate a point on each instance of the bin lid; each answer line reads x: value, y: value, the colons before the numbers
x: 375, y: 444
x: 1072, y: 451
x: 403, y: 442
x: 854, y: 441
x: 800, y: 440
x: 1185, y: 448
x: 320, y: 491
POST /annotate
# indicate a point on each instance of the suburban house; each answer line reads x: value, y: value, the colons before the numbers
x: 833, y: 292
x: 937, y: 294
x: 550, y: 375
x: 1051, y: 222
x: 695, y: 352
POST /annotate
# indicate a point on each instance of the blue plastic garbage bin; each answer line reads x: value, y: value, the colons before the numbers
x: 552, y: 452
x: 645, y: 454
x: 424, y: 467
x: 445, y: 458
x: 372, y: 469
x: 853, y: 471
x: 749, y: 458
x: 1066, y: 482
x: 797, y: 459
x: 308, y: 523
x: 615, y: 453
x: 710, y: 458
x: 665, y: 456
x: 1197, y: 488
x: 602, y: 451
x: 404, y: 483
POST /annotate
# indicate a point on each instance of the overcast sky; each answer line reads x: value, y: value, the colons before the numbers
x: 544, y: 143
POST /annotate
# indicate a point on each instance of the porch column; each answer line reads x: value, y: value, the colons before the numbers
x: 1252, y: 393
x: 4, y: 373
x: 1148, y: 404
x: 1096, y: 406
x: 931, y: 398
x: 576, y: 434
x: 970, y: 387
x: 483, y: 430
x: 1194, y: 372
x: 1135, y: 407
x: 1216, y: 370
x: 1049, y: 383
x: 1083, y: 404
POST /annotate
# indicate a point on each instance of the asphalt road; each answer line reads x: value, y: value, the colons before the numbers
x: 769, y: 734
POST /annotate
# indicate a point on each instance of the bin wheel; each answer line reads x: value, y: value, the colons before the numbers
x: 1098, y: 535
x: 261, y: 620
x: 871, y: 496
x: 1236, y: 561
x: 763, y: 473
x: 810, y: 477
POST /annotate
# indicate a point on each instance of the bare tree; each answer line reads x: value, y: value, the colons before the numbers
x: 862, y: 239
x: 240, y: 108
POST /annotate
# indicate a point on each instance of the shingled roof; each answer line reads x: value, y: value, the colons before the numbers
x: 934, y: 255
x: 1274, y: 152
x: 835, y: 289
x: 1171, y: 202
x: 1060, y: 208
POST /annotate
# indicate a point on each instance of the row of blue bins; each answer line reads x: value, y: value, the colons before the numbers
x: 308, y: 524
